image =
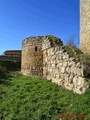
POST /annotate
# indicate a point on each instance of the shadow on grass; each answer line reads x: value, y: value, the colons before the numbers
x: 5, y: 81
x: 8, y: 77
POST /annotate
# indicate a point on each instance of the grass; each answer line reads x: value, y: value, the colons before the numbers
x: 28, y: 98
x: 54, y: 40
x: 73, y: 51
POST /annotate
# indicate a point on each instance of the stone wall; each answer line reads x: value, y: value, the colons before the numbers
x: 85, y: 26
x: 45, y: 56
x: 64, y: 70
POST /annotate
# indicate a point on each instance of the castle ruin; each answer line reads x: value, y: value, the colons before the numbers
x: 45, y: 56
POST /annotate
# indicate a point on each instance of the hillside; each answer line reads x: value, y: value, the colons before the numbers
x: 27, y: 98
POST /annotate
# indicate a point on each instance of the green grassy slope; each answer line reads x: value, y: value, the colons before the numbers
x: 26, y: 98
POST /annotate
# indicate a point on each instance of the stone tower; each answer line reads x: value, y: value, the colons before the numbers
x: 32, y: 56
x: 34, y: 53
x: 85, y: 26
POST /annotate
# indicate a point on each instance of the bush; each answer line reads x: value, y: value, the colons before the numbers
x: 11, y: 65
x: 54, y: 40
x: 3, y: 72
x: 73, y: 51
x: 86, y: 58
x: 7, y: 66
x: 71, y: 41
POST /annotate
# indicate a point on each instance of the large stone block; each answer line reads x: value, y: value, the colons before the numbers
x: 63, y: 70
x: 81, y: 81
x: 75, y: 80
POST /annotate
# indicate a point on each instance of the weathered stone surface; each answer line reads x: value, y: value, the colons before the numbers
x: 85, y: 26
x: 32, y: 56
x: 62, y: 69
x: 65, y: 64
x: 75, y: 80
x: 81, y: 81
x: 71, y: 78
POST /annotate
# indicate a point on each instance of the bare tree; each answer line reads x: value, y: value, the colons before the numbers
x: 71, y: 41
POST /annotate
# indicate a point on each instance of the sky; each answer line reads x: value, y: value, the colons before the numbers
x: 20, y: 19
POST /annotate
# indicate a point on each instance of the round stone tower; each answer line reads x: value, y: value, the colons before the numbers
x: 33, y: 49
x: 85, y: 26
x: 32, y: 56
